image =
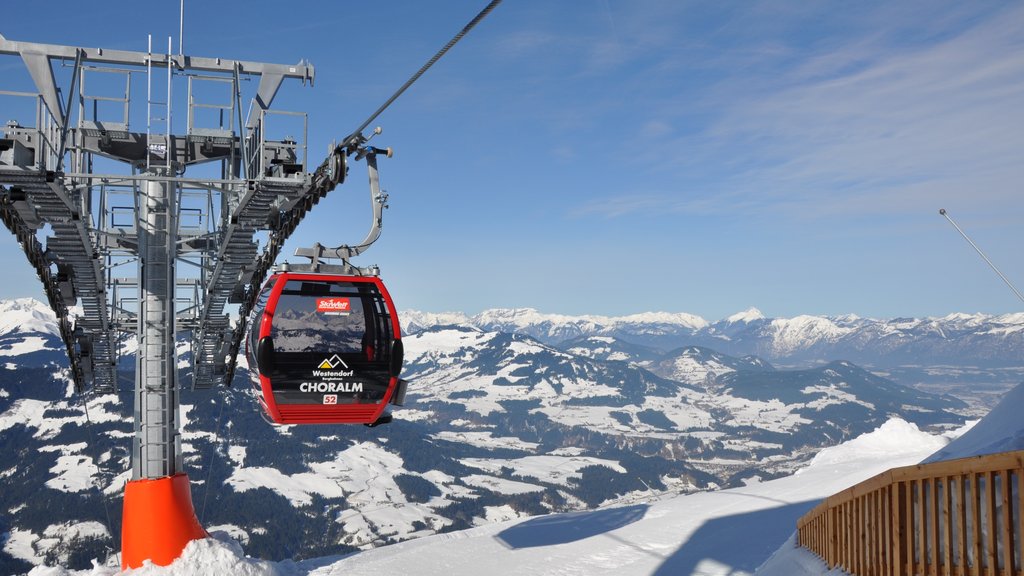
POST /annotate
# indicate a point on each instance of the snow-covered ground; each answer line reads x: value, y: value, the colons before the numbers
x: 729, y: 532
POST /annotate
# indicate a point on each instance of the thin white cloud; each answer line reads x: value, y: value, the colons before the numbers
x: 862, y: 126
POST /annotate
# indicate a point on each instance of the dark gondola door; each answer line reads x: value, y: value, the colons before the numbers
x: 325, y: 349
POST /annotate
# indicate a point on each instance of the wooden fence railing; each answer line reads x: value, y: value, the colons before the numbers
x: 954, y: 518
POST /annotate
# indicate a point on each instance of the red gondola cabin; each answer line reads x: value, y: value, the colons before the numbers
x: 325, y: 349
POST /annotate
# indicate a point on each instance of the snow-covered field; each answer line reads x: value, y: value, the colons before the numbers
x: 730, y: 532
x: 364, y: 475
x: 639, y: 533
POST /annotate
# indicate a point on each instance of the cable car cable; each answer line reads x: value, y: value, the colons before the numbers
x: 353, y: 139
x: 95, y: 482
x: 942, y: 211
x: 210, y: 461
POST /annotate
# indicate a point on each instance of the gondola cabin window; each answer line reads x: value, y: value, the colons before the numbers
x: 314, y: 316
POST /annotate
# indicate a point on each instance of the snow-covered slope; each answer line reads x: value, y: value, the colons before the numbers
x: 28, y: 330
x: 699, y: 365
x: 1002, y: 430
x: 27, y: 315
x: 653, y: 534
x: 701, y: 406
x: 497, y: 426
x: 693, y: 534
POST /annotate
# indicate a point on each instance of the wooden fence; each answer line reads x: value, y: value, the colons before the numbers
x: 954, y: 518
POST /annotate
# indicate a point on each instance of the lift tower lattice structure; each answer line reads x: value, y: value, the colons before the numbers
x: 112, y: 264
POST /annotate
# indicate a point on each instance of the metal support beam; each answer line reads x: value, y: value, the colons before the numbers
x: 38, y: 65
x: 269, y: 85
x: 62, y: 146
x: 301, y: 71
x: 157, y: 443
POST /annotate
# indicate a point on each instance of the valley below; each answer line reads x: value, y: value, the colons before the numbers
x: 500, y: 422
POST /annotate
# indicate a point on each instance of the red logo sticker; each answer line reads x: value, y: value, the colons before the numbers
x: 333, y: 305
x: 330, y: 398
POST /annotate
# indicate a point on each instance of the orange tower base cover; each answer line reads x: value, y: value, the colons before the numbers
x: 158, y: 521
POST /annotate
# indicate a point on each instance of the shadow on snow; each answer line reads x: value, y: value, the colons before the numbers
x: 735, y: 544
x: 565, y: 528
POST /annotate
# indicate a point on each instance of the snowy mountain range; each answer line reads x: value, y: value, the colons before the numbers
x: 958, y: 339
x: 498, y: 425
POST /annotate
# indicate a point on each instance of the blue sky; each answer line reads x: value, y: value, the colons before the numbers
x: 611, y: 157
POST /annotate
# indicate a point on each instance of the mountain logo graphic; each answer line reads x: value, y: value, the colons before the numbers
x: 332, y: 363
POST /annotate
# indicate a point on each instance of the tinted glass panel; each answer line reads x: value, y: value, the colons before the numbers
x: 319, y: 316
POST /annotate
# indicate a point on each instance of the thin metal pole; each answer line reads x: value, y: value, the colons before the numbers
x: 942, y: 211
x: 170, y: 68
x: 149, y: 98
x: 181, y: 30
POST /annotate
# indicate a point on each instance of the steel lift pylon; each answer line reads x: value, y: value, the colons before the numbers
x: 112, y: 265
x: 85, y: 231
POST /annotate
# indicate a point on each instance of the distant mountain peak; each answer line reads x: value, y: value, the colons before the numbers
x: 751, y: 314
x: 27, y: 315
x: 24, y: 304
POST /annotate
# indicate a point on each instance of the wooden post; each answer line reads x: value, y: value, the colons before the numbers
x: 886, y: 511
x: 858, y: 562
x: 1006, y: 486
x: 922, y: 529
x: 880, y: 532
x: 847, y: 540
x: 869, y: 536
x: 911, y: 558
x: 832, y: 543
x: 979, y: 560
x: 947, y: 524
x: 884, y: 524
x: 961, y: 516
x: 1020, y: 510
x: 870, y: 552
x: 879, y: 555
x: 936, y: 528
x: 899, y: 532
x: 989, y: 504
x: 853, y: 536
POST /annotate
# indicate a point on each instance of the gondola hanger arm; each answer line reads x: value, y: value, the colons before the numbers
x: 378, y: 201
